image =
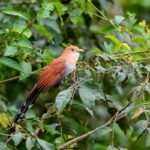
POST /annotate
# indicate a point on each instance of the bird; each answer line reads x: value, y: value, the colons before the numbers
x: 53, y: 75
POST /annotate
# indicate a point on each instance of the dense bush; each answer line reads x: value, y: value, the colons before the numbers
x: 104, y: 104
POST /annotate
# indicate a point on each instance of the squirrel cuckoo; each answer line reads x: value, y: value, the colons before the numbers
x: 52, y: 76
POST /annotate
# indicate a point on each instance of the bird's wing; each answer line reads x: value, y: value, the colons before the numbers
x: 52, y: 74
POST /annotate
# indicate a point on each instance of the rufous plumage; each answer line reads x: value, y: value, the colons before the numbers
x: 52, y: 76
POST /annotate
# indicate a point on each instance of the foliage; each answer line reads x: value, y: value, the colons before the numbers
x: 105, y: 103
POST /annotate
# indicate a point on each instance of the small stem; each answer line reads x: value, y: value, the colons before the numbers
x: 143, y: 59
x: 113, y: 128
x: 19, y: 4
x: 10, y: 79
x: 132, y: 53
x: 61, y: 130
x: 98, y: 10
x: 143, y: 98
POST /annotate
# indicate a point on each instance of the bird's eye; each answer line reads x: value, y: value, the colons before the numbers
x: 73, y: 50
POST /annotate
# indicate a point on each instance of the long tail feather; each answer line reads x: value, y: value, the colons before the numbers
x: 28, y: 103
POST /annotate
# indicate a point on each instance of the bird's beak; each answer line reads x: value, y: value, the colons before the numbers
x: 80, y: 50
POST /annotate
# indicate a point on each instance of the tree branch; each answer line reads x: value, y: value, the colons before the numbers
x: 120, y: 114
x: 16, y: 77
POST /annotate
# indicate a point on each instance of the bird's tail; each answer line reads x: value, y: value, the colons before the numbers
x: 27, y: 104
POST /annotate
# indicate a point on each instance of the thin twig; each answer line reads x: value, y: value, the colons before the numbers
x: 105, y: 18
x: 113, y: 128
x: 16, y: 77
x: 133, y: 53
x: 10, y: 79
x: 22, y: 31
x: 19, y: 4
x: 45, y: 116
x: 102, y: 15
x: 146, y: 58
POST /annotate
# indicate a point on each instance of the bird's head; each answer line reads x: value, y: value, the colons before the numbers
x: 72, y: 53
x: 73, y: 49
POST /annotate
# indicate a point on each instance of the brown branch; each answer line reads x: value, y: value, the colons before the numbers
x: 115, y: 118
x: 10, y: 79
x: 16, y: 77
x: 79, y: 138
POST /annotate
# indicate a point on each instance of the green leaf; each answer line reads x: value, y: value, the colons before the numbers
x: 3, y: 146
x: 23, y: 42
x: 52, y: 129
x: 125, y: 46
x: 121, y: 76
x: 113, y: 39
x: 139, y: 29
x: 139, y: 128
x: 48, y: 56
x: 111, y: 148
x: 22, y: 30
x: 44, y: 31
x: 4, y: 120
x: 85, y: 107
x: 59, y: 140
x: 89, y: 92
x: 10, y: 63
x: 60, y: 9
x: 2, y: 32
x: 75, y: 16
x: 10, y: 51
x: 30, y: 143
x: 104, y: 57
x: 147, y: 88
x: 17, y: 138
x: 26, y: 70
x: 148, y: 138
x: 141, y: 41
x: 63, y: 98
x: 114, y: 148
x: 100, y: 69
x: 102, y: 29
x: 45, y: 145
x: 15, y: 13
x: 118, y: 19
x: 53, y: 25
x: 2, y: 105
x: 47, y: 7
x: 101, y: 132
x: 96, y: 50
x: 131, y: 18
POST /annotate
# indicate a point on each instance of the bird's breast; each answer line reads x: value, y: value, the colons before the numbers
x: 69, y: 68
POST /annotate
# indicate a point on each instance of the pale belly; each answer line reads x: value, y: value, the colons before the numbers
x: 69, y: 69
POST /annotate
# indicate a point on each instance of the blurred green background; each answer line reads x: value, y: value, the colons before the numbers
x: 113, y: 72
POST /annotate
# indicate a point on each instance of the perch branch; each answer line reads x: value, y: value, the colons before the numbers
x: 120, y: 114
